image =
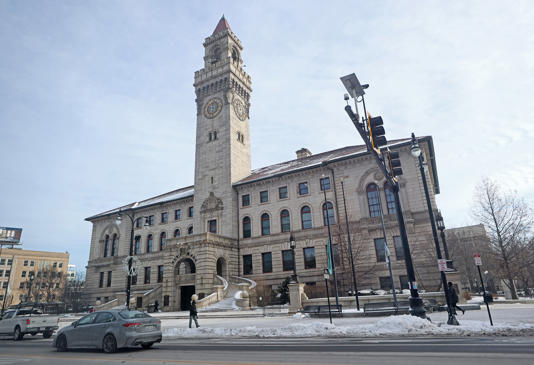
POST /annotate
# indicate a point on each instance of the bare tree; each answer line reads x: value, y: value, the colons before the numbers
x: 46, y: 285
x: 508, y: 220
x: 73, y: 294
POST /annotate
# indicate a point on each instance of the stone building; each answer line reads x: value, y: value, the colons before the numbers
x: 33, y: 275
x: 235, y: 221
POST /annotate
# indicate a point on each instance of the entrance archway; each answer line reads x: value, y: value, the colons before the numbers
x: 221, y: 267
x: 185, y: 266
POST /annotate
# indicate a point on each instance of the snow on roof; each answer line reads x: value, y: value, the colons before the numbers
x: 310, y: 162
x: 163, y: 198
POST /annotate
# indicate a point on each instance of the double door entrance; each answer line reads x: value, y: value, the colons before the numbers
x: 186, y: 292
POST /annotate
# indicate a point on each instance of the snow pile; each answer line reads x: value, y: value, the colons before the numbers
x: 394, y: 325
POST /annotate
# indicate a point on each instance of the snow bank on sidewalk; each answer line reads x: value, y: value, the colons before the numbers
x: 391, y: 326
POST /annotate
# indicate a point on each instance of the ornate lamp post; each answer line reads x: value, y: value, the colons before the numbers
x: 292, y: 245
x: 416, y: 153
x: 130, y: 256
x: 441, y: 227
x: 30, y: 277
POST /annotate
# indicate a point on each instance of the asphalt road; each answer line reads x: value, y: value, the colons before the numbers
x: 413, y: 351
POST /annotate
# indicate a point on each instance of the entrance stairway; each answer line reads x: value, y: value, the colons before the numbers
x: 226, y: 304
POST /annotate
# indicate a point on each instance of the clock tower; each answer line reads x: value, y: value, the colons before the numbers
x: 222, y: 154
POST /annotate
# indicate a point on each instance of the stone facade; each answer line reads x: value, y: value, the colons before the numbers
x: 49, y: 271
x: 215, y: 214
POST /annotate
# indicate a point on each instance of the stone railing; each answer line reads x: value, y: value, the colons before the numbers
x: 218, y: 295
x: 108, y: 305
x: 246, y: 295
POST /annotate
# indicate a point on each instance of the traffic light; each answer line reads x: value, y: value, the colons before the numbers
x: 394, y: 164
x: 376, y: 131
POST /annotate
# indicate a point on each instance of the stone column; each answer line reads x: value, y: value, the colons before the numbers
x: 296, y: 290
x: 219, y: 289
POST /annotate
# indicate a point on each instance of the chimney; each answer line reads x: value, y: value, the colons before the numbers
x: 302, y: 153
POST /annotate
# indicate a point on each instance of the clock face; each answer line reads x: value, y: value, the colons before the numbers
x: 213, y: 108
x: 240, y: 109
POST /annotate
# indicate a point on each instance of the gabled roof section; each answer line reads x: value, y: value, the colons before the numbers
x: 159, y: 199
x: 222, y: 25
x: 317, y: 160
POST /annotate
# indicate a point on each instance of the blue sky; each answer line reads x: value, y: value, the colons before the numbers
x: 97, y: 103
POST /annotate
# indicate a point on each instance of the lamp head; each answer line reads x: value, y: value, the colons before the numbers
x: 118, y: 220
x: 439, y: 221
x: 415, y: 149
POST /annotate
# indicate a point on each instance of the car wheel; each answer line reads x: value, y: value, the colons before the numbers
x: 147, y: 345
x: 17, y: 334
x: 109, y: 344
x: 61, y: 343
x: 47, y: 334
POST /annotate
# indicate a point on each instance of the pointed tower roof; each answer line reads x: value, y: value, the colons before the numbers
x: 222, y: 25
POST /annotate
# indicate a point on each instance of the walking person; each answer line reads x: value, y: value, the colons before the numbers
x: 156, y: 306
x: 453, y: 299
x: 193, y: 315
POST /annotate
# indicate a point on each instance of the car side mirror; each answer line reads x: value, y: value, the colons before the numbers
x: 74, y: 324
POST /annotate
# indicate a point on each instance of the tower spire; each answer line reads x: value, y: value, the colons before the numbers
x: 222, y: 25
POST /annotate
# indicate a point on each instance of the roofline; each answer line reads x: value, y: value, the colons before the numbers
x: 131, y: 207
x: 427, y: 139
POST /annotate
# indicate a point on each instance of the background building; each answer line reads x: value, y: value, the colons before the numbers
x: 236, y: 222
x: 27, y: 275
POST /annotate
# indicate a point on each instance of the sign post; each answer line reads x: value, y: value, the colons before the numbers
x: 326, y: 277
x: 478, y: 263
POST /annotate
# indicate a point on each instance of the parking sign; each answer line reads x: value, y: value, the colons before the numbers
x: 478, y: 260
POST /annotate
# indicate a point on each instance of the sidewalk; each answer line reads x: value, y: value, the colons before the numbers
x: 509, y: 319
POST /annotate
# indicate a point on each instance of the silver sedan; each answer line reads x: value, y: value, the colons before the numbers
x: 110, y: 330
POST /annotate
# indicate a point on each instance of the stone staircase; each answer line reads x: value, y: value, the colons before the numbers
x: 226, y: 304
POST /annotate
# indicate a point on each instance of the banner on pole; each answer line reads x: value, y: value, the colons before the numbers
x: 442, y: 264
x: 329, y: 253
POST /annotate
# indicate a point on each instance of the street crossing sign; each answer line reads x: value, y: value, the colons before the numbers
x: 478, y: 260
x: 442, y: 264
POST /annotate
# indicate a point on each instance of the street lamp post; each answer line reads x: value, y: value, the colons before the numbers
x: 350, y: 249
x: 292, y: 245
x: 416, y: 153
x: 30, y: 277
x: 441, y: 226
x: 130, y: 257
x: 330, y: 240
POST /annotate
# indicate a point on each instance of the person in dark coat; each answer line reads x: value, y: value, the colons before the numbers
x: 453, y: 299
x: 193, y: 315
x: 156, y: 306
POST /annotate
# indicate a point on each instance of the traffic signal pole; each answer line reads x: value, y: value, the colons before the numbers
x: 356, y: 90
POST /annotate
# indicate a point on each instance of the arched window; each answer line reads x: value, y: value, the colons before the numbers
x: 390, y: 199
x: 162, y: 240
x: 328, y: 208
x: 372, y: 200
x: 177, y: 232
x: 265, y: 224
x: 246, y: 227
x: 190, y: 230
x: 235, y: 55
x: 149, y: 243
x: 114, y: 245
x: 285, y: 223
x: 306, y: 217
x: 106, y: 246
x: 137, y: 245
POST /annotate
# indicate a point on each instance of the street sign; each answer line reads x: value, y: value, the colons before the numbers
x: 442, y: 264
x: 478, y: 260
x: 326, y: 274
x: 136, y: 265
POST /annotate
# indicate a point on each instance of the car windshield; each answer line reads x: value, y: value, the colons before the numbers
x: 133, y: 314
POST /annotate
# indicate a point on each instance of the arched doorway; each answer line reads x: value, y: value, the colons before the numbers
x: 221, y: 267
x: 185, y: 266
x: 185, y: 278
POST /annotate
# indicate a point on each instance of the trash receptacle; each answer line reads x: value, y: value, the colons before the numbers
x: 488, y: 298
